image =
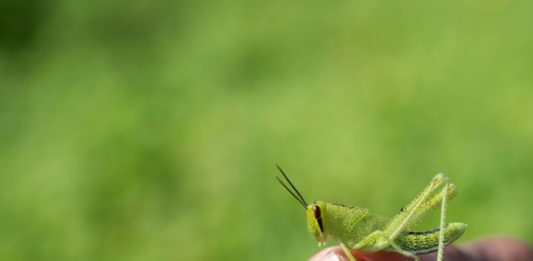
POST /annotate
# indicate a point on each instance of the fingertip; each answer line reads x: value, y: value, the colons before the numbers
x: 329, y: 254
x: 336, y: 253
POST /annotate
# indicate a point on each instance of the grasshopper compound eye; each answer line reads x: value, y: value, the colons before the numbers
x: 318, y: 216
x: 316, y: 210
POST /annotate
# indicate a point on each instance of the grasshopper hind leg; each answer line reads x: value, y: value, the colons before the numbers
x: 440, y: 188
x: 434, y: 195
x: 440, y: 252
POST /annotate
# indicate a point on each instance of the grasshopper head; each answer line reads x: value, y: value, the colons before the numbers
x: 315, y: 211
x: 315, y: 221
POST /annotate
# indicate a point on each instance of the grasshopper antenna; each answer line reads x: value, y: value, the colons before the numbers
x: 299, y: 197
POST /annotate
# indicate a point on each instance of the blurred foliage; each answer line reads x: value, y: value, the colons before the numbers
x: 149, y: 130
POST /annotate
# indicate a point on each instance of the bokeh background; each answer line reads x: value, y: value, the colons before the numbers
x: 150, y: 130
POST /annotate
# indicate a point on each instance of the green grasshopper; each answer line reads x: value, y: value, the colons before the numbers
x: 356, y: 228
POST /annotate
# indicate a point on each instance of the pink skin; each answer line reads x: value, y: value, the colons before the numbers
x: 488, y: 249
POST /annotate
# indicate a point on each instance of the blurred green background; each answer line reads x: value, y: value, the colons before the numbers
x: 149, y: 130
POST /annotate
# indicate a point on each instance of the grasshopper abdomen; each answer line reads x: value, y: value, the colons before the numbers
x: 428, y: 241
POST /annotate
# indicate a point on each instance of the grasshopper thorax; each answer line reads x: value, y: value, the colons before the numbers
x: 316, y: 220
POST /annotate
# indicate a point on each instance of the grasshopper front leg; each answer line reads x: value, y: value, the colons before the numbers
x: 347, y: 252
